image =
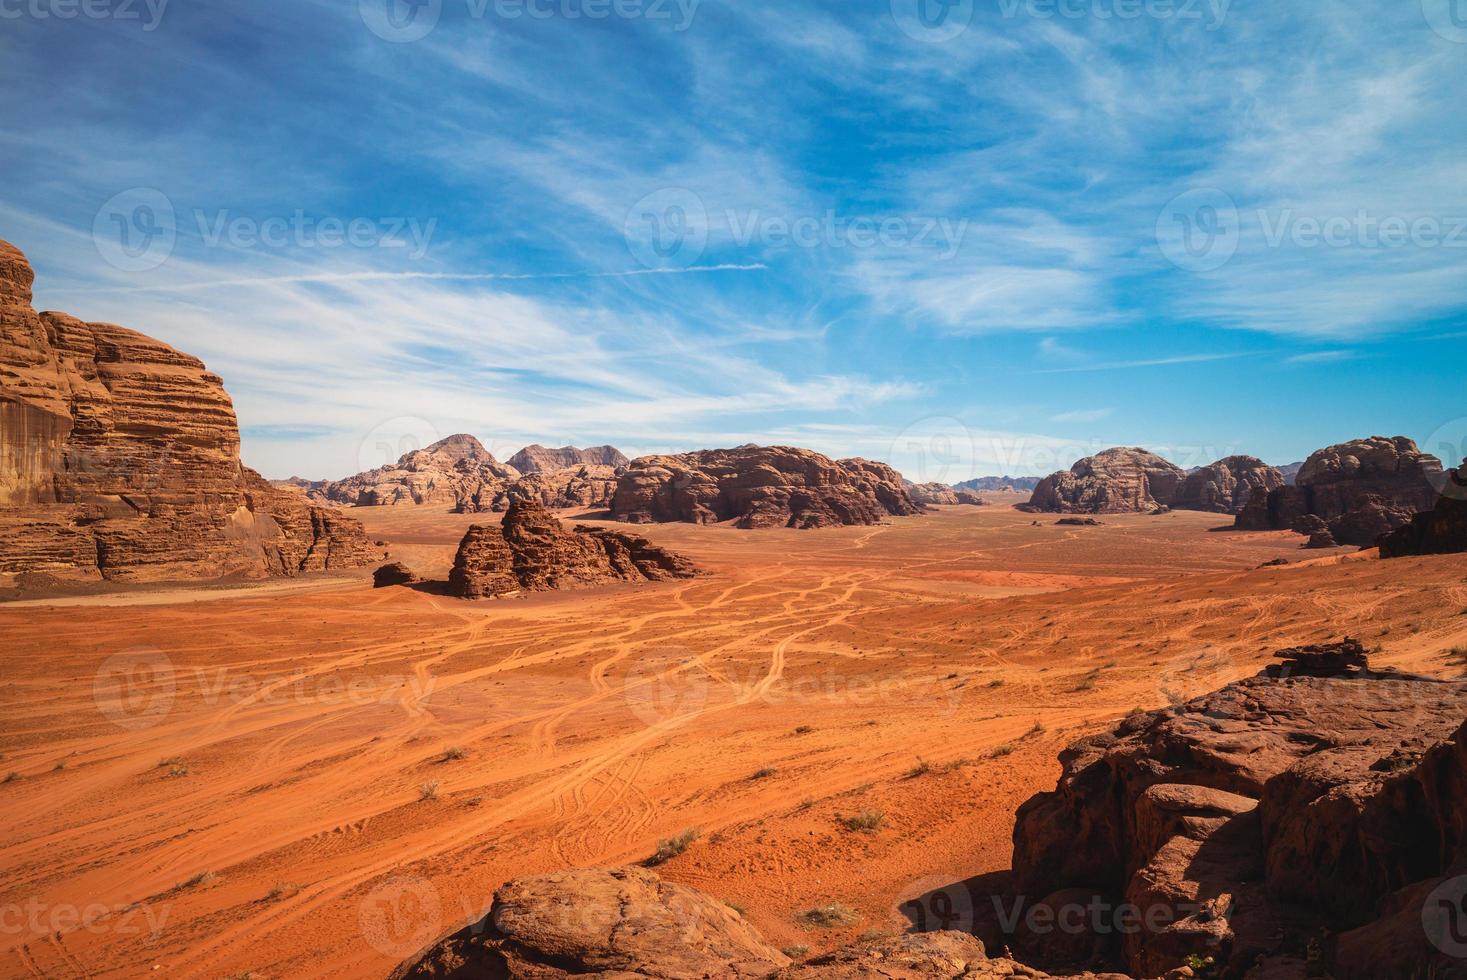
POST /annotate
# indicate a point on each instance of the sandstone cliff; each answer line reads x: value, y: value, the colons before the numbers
x: 538, y: 459
x: 1360, y: 490
x: 1225, y: 487
x: 940, y: 494
x: 119, y: 460
x: 532, y: 551
x: 449, y: 472
x: 758, y: 486
x: 1316, y: 801
x: 1439, y: 531
x: 1117, y: 481
x: 1023, y: 484
x: 586, y: 485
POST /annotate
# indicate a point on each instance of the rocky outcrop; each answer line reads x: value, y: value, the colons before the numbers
x: 538, y: 459
x: 1313, y: 804
x: 760, y: 487
x: 449, y: 473
x: 1022, y: 484
x: 1226, y: 486
x: 393, y: 574
x: 628, y: 923
x: 532, y: 551
x: 583, y: 486
x: 1117, y: 481
x: 940, y: 495
x: 119, y: 461
x: 1360, y: 490
x: 1439, y: 531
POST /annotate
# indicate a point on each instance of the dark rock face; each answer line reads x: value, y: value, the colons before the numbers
x: 1226, y: 486
x: 1440, y: 531
x: 1360, y: 490
x: 538, y: 459
x: 628, y: 923
x: 532, y: 551
x: 119, y: 461
x: 1117, y: 481
x: 758, y: 487
x: 1321, y: 801
x: 394, y: 574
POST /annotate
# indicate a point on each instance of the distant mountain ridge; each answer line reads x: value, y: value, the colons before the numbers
x: 1025, y: 484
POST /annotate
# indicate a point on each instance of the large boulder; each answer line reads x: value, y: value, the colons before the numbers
x: 1439, y: 531
x: 760, y: 486
x: 119, y: 461
x: 1296, y: 804
x: 1116, y: 481
x: 1360, y: 490
x: 531, y: 550
x: 538, y: 459
x: 627, y: 923
x: 1226, y: 486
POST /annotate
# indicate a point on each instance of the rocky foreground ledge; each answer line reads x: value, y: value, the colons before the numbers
x: 1308, y: 822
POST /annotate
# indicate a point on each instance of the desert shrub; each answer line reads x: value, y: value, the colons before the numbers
x: 867, y: 821
x: 202, y: 878
x: 671, y: 847
x: 830, y: 916
x: 922, y: 768
x: 764, y: 773
x: 453, y: 754
x: 428, y: 791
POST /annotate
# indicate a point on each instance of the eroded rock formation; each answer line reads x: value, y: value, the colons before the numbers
x: 1226, y: 486
x: 531, y: 550
x: 119, y: 461
x: 1023, y: 484
x: 628, y: 923
x: 585, y: 485
x: 1117, y: 481
x: 1317, y: 805
x: 760, y: 486
x: 538, y: 459
x: 1360, y: 490
x: 393, y: 574
x: 449, y: 472
x: 1439, y: 531
x: 940, y: 494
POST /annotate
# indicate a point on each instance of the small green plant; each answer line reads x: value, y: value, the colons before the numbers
x: 867, y: 821
x: 428, y: 791
x: 999, y: 751
x: 453, y: 754
x: 922, y: 768
x: 286, y: 889
x: 202, y: 878
x: 831, y: 916
x: 671, y: 847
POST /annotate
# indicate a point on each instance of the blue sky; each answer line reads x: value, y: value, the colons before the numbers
x: 986, y: 238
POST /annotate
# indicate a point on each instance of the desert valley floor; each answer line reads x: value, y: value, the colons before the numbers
x: 254, y: 803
